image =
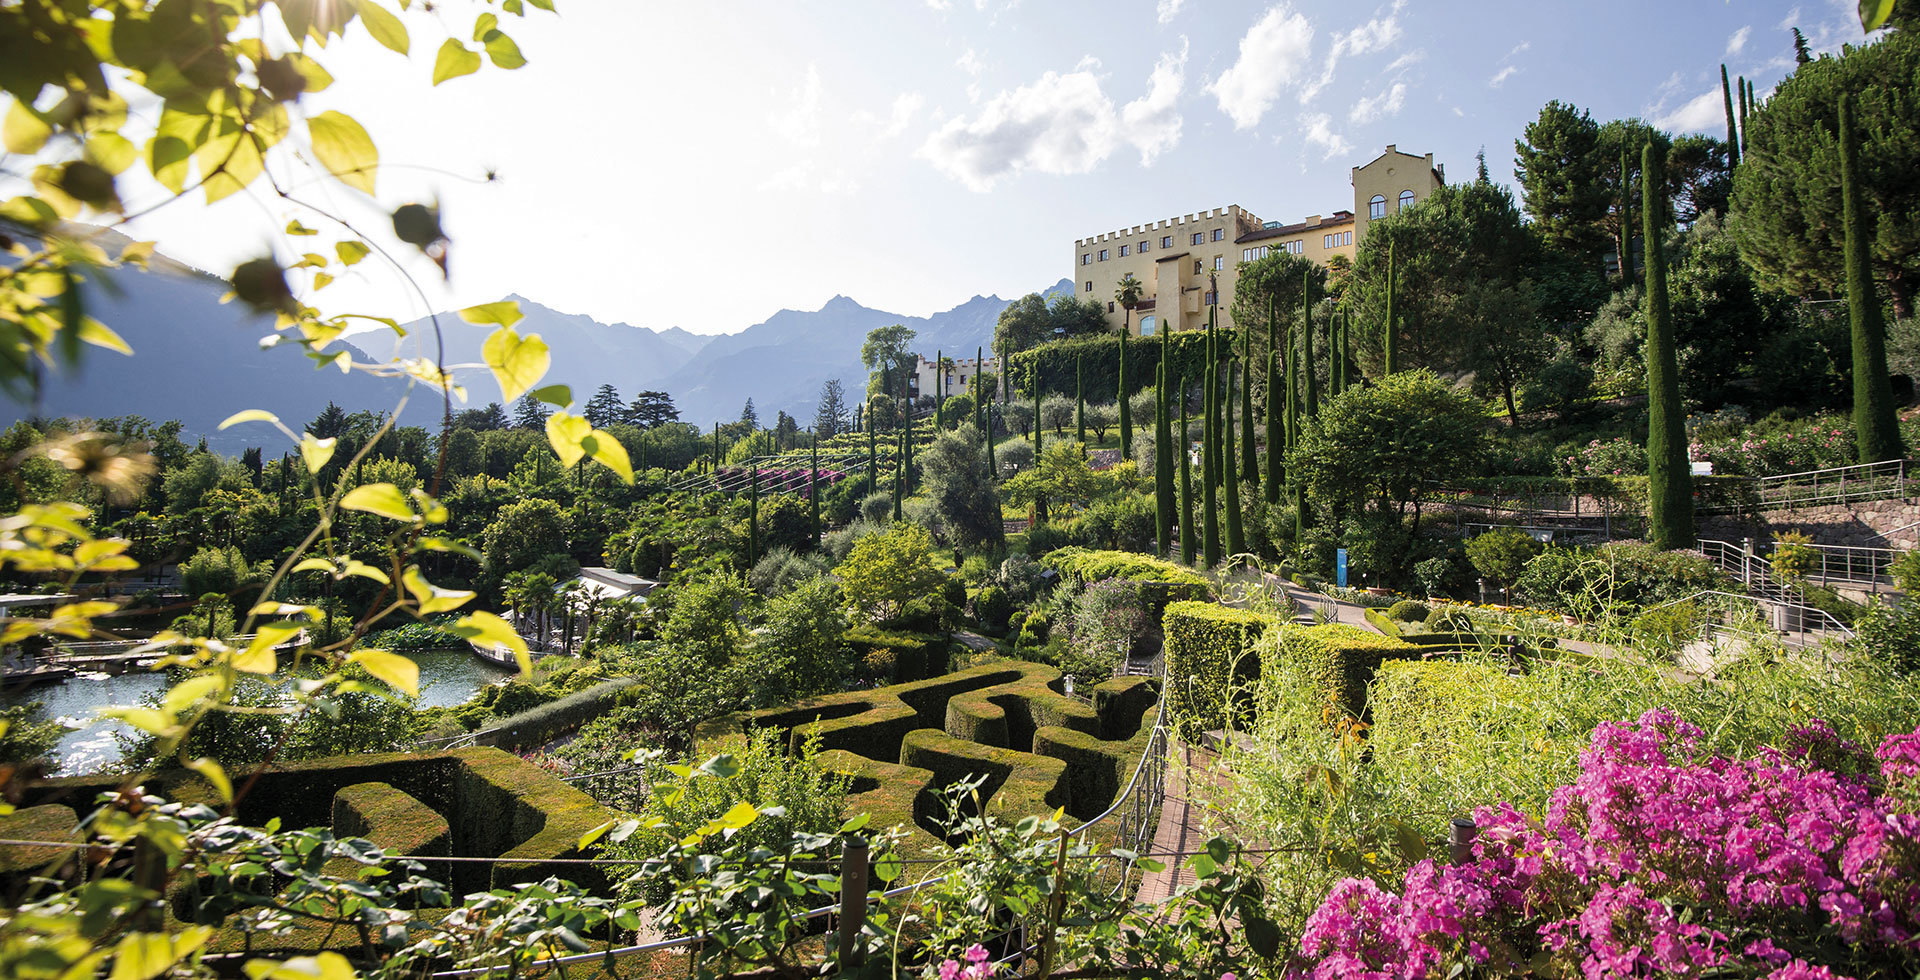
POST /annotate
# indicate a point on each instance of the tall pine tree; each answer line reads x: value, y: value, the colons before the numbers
x: 1236, y: 531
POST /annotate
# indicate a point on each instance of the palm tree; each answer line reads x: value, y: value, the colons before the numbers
x: 1128, y: 296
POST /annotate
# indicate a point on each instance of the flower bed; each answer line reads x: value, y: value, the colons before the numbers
x: 1660, y: 861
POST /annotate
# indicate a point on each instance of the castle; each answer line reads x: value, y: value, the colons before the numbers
x: 1182, y: 259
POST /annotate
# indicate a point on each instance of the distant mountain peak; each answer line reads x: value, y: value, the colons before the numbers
x: 841, y: 302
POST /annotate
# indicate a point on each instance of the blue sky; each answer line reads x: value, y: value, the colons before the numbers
x: 706, y: 164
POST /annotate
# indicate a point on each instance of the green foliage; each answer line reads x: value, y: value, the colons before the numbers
x: 1502, y: 553
x: 991, y: 607
x: 1614, y: 579
x: 884, y: 572
x: 1408, y: 611
x: 1211, y: 658
x: 417, y: 636
x: 221, y: 570
x: 1890, y: 634
x: 1098, y: 357
x: 962, y: 493
x: 1337, y: 662
x: 1092, y: 566
x: 1669, y: 477
x: 1906, y: 571
x: 1390, y: 443
x: 524, y: 533
x: 805, y: 798
x: 781, y: 570
x: 1665, y: 629
x: 26, y: 735
x: 1793, y: 556
x: 1788, y: 203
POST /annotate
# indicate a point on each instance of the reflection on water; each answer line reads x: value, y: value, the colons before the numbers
x: 447, y: 677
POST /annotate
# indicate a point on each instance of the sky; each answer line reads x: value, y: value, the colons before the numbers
x: 704, y: 165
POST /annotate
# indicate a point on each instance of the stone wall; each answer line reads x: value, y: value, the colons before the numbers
x: 1866, y: 524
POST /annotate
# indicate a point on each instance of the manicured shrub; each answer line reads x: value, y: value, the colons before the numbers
x: 1793, y: 556
x: 1906, y: 571
x: 1209, y: 654
x: 1502, y: 553
x: 1339, y: 662
x: 1408, y: 611
x: 991, y: 607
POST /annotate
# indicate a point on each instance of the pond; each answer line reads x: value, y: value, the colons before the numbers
x: 447, y: 677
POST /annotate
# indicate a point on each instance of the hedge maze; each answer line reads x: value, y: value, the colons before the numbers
x: 1037, y: 749
x: 476, y: 802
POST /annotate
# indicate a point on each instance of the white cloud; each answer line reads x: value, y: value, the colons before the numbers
x: 1320, y: 133
x: 941, y: 5
x: 1501, y: 76
x: 1271, y: 55
x: 1738, y: 41
x: 1168, y: 10
x: 1407, y: 60
x: 1385, y: 104
x: 1060, y: 124
x: 899, y: 116
x: 1374, y: 35
x: 1152, y: 122
x: 1520, y: 48
x: 1703, y: 113
x: 970, y: 63
x: 799, y: 124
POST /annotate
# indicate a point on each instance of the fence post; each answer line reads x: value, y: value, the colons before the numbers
x: 1460, y: 840
x: 853, y: 899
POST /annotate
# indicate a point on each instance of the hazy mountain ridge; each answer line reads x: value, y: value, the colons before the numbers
x: 199, y: 360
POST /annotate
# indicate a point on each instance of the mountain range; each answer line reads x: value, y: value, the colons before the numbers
x: 199, y: 361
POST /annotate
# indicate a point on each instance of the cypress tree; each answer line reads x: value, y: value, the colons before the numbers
x: 1036, y: 412
x: 1079, y: 403
x: 1187, y: 539
x: 1236, y: 532
x: 873, y: 458
x: 1162, y: 466
x: 1876, y: 429
x: 1741, y: 84
x: 1210, y: 426
x: 1126, y: 410
x: 993, y: 465
x: 1626, y: 217
x: 753, y: 514
x: 1249, y: 458
x: 813, y: 490
x: 907, y: 434
x: 1274, y: 442
x: 1210, y: 456
x: 939, y: 390
x: 1290, y: 407
x: 1312, y: 383
x: 1733, y: 131
x: 716, y: 448
x: 899, y: 475
x: 1669, y: 478
x: 1391, y: 345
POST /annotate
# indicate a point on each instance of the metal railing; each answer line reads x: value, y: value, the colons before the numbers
x: 1787, y: 613
x: 1795, y: 624
x: 1853, y: 564
x: 1834, y: 485
x: 1134, y: 815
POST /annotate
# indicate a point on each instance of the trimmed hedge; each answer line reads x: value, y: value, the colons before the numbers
x: 48, y: 822
x: 1381, y: 622
x: 1341, y: 660
x: 1209, y: 650
x: 1093, y: 566
x: 1408, y: 611
x: 391, y: 819
x: 1428, y: 709
x: 1095, y: 360
x: 495, y: 804
x: 538, y: 726
x: 904, y: 656
x: 1037, y: 748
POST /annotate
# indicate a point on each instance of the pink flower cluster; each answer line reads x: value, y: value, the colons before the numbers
x: 1656, y: 862
x: 1817, y: 445
x: 977, y: 967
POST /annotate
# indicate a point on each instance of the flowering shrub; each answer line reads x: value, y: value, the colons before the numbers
x: 1657, y: 862
x: 1618, y: 456
x: 977, y: 967
x: 1786, y: 447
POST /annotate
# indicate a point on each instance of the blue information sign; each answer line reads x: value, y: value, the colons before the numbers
x: 1340, y: 568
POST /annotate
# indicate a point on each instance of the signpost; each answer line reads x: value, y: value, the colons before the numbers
x: 1340, y: 568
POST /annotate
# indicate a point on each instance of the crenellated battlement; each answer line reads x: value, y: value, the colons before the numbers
x: 1163, y: 224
